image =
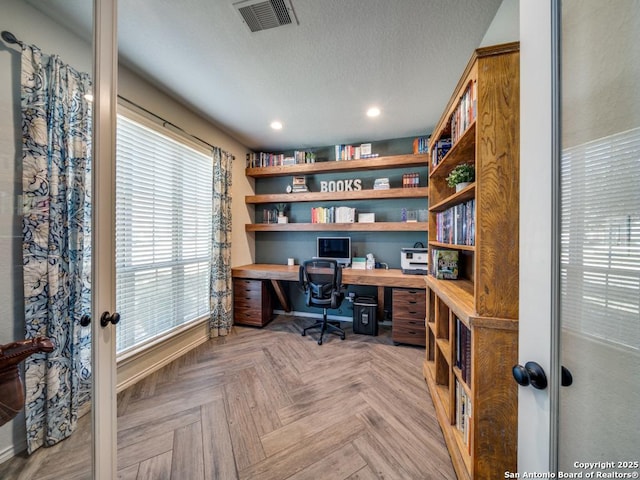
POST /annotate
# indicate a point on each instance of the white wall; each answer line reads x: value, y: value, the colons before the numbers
x: 32, y: 27
x: 505, y: 26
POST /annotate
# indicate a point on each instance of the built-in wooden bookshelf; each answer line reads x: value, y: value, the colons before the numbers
x: 476, y: 401
x: 377, y: 163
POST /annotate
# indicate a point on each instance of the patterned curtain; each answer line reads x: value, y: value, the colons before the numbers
x: 56, y: 124
x: 220, y: 295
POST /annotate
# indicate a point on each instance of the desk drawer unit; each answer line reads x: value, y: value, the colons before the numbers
x: 409, y: 308
x: 251, y: 302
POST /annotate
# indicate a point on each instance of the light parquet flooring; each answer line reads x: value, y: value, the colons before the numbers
x: 269, y: 404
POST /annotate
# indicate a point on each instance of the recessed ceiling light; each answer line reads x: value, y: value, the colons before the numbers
x: 276, y: 125
x: 373, y: 112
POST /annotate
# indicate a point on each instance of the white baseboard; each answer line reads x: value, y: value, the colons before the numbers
x: 13, y: 450
x: 135, y: 367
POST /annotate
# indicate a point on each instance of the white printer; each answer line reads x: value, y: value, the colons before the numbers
x: 414, y: 260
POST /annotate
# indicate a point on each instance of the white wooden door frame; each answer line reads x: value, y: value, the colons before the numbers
x: 538, y: 235
x: 103, y: 281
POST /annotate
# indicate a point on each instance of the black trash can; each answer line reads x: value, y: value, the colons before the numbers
x: 364, y: 316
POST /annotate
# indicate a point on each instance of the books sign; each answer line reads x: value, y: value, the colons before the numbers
x: 341, y: 185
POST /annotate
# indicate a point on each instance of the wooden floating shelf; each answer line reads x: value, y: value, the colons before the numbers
x: 339, y: 227
x: 369, y: 194
x: 378, y: 163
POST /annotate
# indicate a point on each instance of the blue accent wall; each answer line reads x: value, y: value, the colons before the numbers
x: 277, y: 247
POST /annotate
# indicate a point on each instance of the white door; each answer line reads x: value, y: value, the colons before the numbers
x: 103, y: 302
x: 580, y: 231
x: 32, y: 22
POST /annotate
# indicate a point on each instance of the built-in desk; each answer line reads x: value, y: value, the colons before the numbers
x: 380, y: 278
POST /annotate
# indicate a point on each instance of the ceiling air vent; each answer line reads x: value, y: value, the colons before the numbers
x: 261, y: 15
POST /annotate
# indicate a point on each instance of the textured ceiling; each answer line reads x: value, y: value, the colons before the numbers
x: 318, y: 78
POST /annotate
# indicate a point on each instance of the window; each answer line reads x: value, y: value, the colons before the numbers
x: 163, y: 231
x: 600, y: 252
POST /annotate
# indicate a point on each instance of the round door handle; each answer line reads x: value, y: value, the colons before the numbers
x: 566, y: 379
x: 85, y: 320
x: 531, y: 374
x: 107, y: 318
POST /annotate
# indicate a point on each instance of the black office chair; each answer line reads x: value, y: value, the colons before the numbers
x: 321, y: 280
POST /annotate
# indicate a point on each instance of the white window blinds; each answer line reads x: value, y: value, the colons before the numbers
x: 600, y: 249
x: 163, y: 233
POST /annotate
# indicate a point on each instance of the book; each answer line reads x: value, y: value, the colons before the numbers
x: 359, y: 263
x: 366, y: 218
x: 444, y: 264
x: 381, y: 184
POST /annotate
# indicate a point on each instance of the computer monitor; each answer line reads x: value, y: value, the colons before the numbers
x: 336, y: 248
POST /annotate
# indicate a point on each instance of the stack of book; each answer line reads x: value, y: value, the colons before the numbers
x: 463, y: 350
x: 457, y: 225
x: 439, y: 150
x: 351, y: 152
x: 264, y: 159
x: 463, y: 414
x: 465, y: 112
x: 333, y: 215
x: 463, y: 363
x: 410, y: 180
x: 299, y: 184
x: 421, y: 145
x: 381, y: 184
x: 359, y: 263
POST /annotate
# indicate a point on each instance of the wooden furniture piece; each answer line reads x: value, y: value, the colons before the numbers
x: 252, y: 303
x: 408, y: 316
x: 380, y: 278
x: 395, y: 161
x: 11, y: 385
x: 472, y: 327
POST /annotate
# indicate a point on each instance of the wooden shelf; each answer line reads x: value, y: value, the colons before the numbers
x: 463, y: 195
x: 464, y: 449
x: 458, y: 374
x: 463, y: 151
x: 445, y: 348
x: 458, y: 294
x: 379, y: 163
x: 453, y: 246
x: 338, y: 227
x: 369, y: 194
x: 441, y: 402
